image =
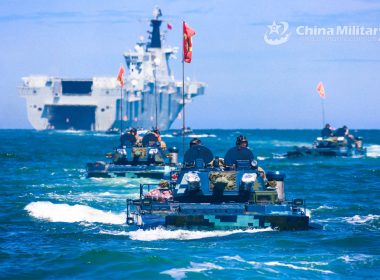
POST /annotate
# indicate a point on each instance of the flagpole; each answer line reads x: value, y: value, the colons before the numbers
x: 183, y: 94
x: 155, y: 90
x: 323, y: 111
x: 121, y: 110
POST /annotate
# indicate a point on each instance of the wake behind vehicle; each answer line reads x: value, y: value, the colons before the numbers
x: 145, y: 159
x: 211, y: 194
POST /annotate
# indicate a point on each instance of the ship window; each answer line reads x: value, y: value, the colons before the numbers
x: 107, y: 107
x: 39, y: 109
x: 107, y: 92
x: 48, y: 83
x: 34, y: 106
x: 102, y: 109
x: 76, y: 87
x: 142, y: 105
x: 34, y: 91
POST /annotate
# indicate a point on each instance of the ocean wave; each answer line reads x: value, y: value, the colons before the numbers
x: 71, y: 132
x: 278, y: 156
x: 279, y: 143
x: 262, y: 158
x: 373, y: 151
x: 292, y: 266
x: 308, y: 213
x: 93, y: 196
x: 204, y: 135
x: 357, y: 219
x: 180, y: 234
x: 323, y: 208
x: 180, y: 273
x: 305, y: 264
x: 166, y: 136
x: 355, y: 258
x: 47, y: 210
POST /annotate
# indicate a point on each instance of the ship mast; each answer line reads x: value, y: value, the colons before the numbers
x: 156, y: 43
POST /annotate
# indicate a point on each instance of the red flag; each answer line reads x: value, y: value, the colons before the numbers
x: 120, y: 75
x: 321, y: 90
x: 170, y: 26
x: 187, y: 42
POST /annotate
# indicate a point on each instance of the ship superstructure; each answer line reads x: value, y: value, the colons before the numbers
x: 94, y: 104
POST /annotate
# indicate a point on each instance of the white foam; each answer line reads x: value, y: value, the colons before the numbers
x: 357, y: 219
x: 313, y: 263
x: 180, y: 273
x: 355, y: 258
x: 373, y: 151
x: 72, y: 213
x: 308, y: 213
x: 275, y: 263
x: 297, y: 267
x: 201, y: 135
x: 233, y: 258
x: 279, y: 143
x: 323, y: 207
x: 180, y: 234
x: 92, y: 196
x: 262, y: 158
x: 166, y: 136
x: 279, y: 156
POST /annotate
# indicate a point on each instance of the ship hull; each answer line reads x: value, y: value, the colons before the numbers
x: 329, y: 152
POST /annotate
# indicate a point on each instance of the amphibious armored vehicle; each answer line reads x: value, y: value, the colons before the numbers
x: 331, y: 146
x: 146, y: 159
x: 209, y: 193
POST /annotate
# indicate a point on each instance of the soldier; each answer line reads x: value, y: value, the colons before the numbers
x: 327, y: 131
x: 158, y: 135
x: 195, y: 142
x: 241, y: 142
x: 129, y: 138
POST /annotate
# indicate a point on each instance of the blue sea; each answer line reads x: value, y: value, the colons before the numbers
x: 55, y: 223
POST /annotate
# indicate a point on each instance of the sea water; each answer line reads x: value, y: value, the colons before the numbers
x: 56, y: 223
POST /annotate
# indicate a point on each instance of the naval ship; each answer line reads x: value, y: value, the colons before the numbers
x: 94, y: 104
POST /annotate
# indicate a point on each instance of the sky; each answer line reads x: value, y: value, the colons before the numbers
x: 260, y: 67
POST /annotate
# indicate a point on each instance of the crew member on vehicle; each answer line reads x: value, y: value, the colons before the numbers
x: 327, y: 131
x: 157, y: 133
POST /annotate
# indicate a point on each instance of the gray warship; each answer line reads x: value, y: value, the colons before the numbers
x: 94, y: 104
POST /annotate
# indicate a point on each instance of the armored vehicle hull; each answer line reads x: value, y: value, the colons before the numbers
x: 224, y: 216
x: 104, y: 170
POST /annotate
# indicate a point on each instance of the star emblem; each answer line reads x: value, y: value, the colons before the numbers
x: 274, y: 28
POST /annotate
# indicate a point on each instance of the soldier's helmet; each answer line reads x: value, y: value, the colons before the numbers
x: 195, y: 142
x: 241, y: 139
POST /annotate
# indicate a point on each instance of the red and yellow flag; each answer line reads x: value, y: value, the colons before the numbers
x: 120, y: 75
x: 321, y: 90
x: 187, y: 42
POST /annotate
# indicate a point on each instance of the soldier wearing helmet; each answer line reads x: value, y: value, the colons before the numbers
x: 195, y: 142
x: 162, y: 144
x: 241, y: 142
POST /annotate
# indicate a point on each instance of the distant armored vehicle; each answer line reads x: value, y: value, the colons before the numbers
x: 331, y: 146
x: 146, y: 159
